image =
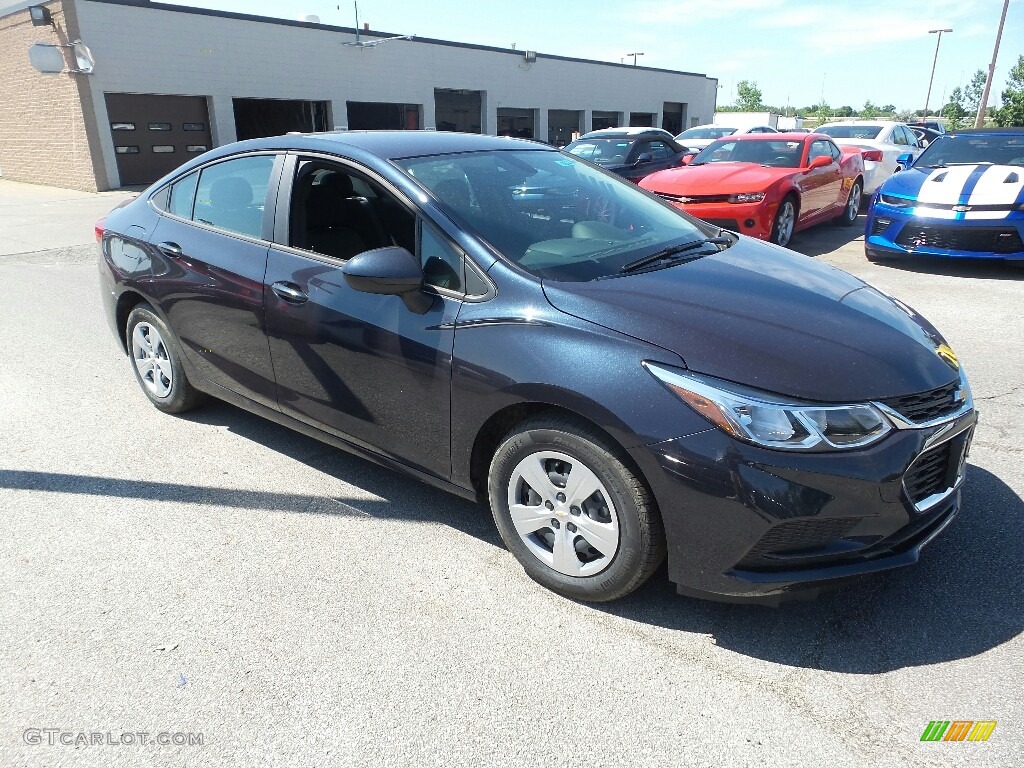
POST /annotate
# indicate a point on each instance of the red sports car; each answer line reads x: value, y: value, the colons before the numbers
x: 766, y: 185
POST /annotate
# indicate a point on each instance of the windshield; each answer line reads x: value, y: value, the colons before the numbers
x: 779, y: 154
x: 956, y: 150
x: 552, y: 214
x: 602, y: 151
x: 850, y: 131
x: 711, y: 132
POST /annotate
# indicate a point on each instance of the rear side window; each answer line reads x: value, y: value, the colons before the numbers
x: 230, y: 195
x: 183, y: 194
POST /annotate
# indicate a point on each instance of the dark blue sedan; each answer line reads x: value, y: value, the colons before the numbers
x: 616, y: 379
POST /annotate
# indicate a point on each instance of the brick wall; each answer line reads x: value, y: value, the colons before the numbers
x: 43, y: 136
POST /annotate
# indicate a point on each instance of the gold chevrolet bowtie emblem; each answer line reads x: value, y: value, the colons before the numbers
x: 948, y: 356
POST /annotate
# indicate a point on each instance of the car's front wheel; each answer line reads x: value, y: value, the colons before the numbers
x: 157, y: 364
x: 785, y: 222
x: 572, y: 512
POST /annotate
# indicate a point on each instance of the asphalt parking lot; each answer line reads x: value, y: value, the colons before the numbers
x: 217, y: 574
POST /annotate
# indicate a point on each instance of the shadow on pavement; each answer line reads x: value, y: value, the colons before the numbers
x: 978, y: 269
x: 963, y: 598
x: 827, y: 237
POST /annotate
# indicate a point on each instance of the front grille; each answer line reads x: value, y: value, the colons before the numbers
x: 925, y: 406
x: 931, y: 473
x: 687, y: 199
x: 972, y: 239
x: 731, y: 224
x: 797, y: 535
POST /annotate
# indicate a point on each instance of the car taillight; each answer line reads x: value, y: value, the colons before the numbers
x: 875, y: 155
x: 99, y: 229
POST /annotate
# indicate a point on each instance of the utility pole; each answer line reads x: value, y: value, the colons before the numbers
x: 934, y: 62
x: 979, y: 121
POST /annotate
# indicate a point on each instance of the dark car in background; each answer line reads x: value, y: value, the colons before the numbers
x: 615, y: 388
x: 632, y: 153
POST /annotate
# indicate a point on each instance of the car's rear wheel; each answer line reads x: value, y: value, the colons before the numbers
x: 852, y: 208
x: 785, y: 222
x: 157, y: 363
x: 572, y: 512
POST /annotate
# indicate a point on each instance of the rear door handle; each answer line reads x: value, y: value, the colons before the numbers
x: 289, y: 292
x: 171, y: 249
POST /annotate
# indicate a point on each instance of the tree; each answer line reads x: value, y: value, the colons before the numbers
x: 889, y: 109
x: 823, y: 111
x: 1012, y: 111
x: 973, y: 92
x: 748, y: 96
x: 844, y: 111
x: 870, y: 110
x: 955, y: 111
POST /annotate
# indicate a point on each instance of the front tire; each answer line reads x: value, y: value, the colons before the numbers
x: 575, y: 516
x: 157, y: 362
x: 785, y: 222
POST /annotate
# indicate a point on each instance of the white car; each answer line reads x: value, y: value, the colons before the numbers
x: 880, y: 142
x: 700, y: 136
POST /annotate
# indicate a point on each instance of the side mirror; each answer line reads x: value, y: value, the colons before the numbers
x: 391, y: 271
x: 687, y: 158
x: 904, y: 161
x: 820, y: 162
x: 643, y: 157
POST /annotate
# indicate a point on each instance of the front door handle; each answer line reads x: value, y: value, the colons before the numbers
x: 289, y: 292
x: 171, y: 249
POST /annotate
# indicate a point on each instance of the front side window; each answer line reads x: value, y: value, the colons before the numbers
x: 550, y: 213
x: 898, y: 137
x: 819, y: 149
x: 231, y: 195
x: 658, y: 149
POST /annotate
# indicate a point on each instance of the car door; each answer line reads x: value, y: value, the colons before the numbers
x: 819, y: 185
x: 359, y: 365
x: 662, y: 157
x: 214, y: 234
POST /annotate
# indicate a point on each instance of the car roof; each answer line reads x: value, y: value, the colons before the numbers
x: 391, y: 145
x: 648, y: 130
x: 977, y: 131
x: 884, y: 123
x: 780, y: 136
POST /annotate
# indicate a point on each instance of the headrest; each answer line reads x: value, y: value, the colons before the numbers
x: 230, y: 194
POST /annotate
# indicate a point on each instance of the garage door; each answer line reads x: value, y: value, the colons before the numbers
x: 155, y: 134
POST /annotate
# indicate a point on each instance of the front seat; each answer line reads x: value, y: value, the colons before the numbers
x: 357, y: 212
x: 328, y: 230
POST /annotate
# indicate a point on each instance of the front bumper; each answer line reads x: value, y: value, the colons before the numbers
x: 892, y: 232
x: 744, y: 522
x: 751, y: 219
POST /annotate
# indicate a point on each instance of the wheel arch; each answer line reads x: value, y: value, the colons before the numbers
x: 126, y: 302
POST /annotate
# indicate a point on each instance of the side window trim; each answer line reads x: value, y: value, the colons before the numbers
x: 423, y: 223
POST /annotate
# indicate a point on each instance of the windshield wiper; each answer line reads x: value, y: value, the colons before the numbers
x: 667, y: 253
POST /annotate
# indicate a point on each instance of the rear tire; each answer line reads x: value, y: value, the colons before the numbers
x: 576, y: 517
x: 852, y: 208
x: 156, y: 361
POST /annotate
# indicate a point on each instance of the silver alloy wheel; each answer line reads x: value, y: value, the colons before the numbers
x: 853, y: 204
x: 563, y: 513
x: 151, y: 359
x: 784, y: 222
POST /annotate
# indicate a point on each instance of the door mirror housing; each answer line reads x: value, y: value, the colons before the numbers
x: 643, y: 157
x: 819, y: 162
x: 391, y: 271
x: 687, y: 158
x: 904, y: 161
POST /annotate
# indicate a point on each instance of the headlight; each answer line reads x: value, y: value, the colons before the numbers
x: 765, y: 419
x: 895, y: 202
x: 747, y: 197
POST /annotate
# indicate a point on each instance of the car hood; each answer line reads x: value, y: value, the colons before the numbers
x: 715, y: 179
x: 765, y: 317
x: 960, y: 184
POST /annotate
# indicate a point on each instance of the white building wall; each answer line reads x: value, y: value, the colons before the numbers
x: 146, y: 50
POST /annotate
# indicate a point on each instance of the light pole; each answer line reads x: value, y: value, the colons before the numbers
x: 979, y: 121
x: 934, y: 62
x: 634, y: 55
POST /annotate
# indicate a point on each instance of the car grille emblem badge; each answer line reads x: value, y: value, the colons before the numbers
x: 961, y: 208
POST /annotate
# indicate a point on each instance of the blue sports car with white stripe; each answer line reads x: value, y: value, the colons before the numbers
x: 963, y: 197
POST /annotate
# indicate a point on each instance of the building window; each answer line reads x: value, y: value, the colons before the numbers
x: 194, y: 126
x: 129, y: 150
x: 163, y: 148
x: 159, y: 126
x: 195, y: 148
x: 122, y: 126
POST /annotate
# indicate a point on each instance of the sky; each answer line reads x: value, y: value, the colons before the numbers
x: 795, y: 50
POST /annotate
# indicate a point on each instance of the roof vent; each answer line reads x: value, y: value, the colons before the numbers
x: 310, y: 18
x: 529, y: 56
